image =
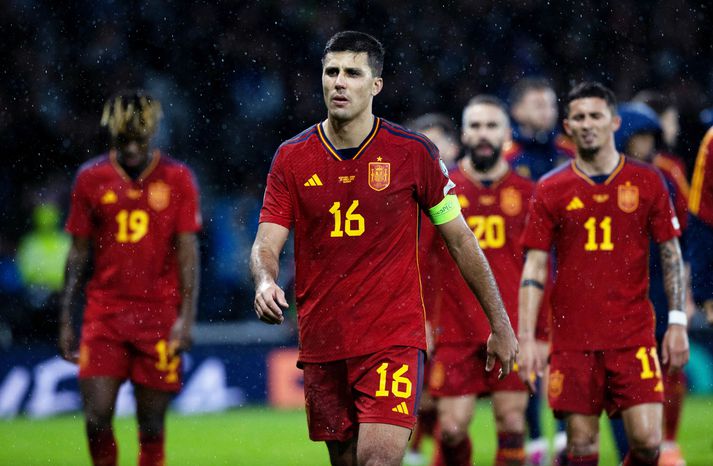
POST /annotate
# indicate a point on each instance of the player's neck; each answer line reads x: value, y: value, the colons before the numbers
x: 602, y: 163
x: 346, y: 134
x: 494, y: 173
x: 134, y: 172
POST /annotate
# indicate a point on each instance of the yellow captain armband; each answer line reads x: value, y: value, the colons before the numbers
x: 445, y: 211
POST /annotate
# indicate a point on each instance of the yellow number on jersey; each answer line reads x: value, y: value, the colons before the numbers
x: 591, y: 227
x: 401, y: 386
x: 489, y: 230
x: 354, y: 225
x: 132, y: 225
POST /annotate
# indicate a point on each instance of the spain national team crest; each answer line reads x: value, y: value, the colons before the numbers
x: 556, y: 383
x: 379, y: 175
x: 511, y: 201
x: 159, y: 195
x: 628, y: 197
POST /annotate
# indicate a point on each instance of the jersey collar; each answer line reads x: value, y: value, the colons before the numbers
x: 362, y: 147
x: 156, y: 155
x: 609, y: 179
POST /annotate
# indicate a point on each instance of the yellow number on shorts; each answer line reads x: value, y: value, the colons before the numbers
x: 166, y: 364
x: 643, y: 356
x: 401, y: 386
x: 132, y: 225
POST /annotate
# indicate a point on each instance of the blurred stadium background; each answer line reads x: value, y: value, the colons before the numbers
x: 235, y: 79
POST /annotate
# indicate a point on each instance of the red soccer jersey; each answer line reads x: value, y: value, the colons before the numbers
x: 601, y: 233
x: 132, y: 224
x: 496, y: 213
x: 701, y: 200
x: 356, y: 224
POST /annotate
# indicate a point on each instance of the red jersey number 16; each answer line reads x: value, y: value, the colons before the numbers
x: 353, y: 222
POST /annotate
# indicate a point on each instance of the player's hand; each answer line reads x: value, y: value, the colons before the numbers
x: 67, y: 343
x: 180, y: 339
x: 708, y: 309
x: 530, y: 363
x: 502, y: 345
x: 269, y: 303
x: 675, y: 347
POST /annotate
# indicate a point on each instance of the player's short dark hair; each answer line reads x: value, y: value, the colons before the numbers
x: 131, y: 113
x: 658, y: 101
x: 525, y: 85
x: 591, y: 89
x: 487, y: 99
x: 355, y: 41
x: 434, y: 120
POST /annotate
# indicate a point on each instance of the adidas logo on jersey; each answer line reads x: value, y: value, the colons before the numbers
x: 400, y: 408
x: 313, y: 181
x: 575, y: 203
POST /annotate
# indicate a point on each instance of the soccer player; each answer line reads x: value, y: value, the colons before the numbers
x: 442, y: 132
x: 133, y: 218
x: 599, y: 213
x: 352, y: 187
x: 494, y: 203
x: 700, y: 231
x: 641, y: 136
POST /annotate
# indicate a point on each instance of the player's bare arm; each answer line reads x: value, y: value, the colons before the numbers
x: 264, y: 267
x: 76, y: 268
x: 475, y: 269
x: 675, y: 350
x: 532, y: 285
x: 189, y: 270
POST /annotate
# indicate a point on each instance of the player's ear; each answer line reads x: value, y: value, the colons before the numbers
x: 565, y: 125
x: 377, y: 86
x: 616, y: 122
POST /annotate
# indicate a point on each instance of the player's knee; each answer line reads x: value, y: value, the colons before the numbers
x: 97, y: 418
x: 383, y: 455
x: 150, y: 425
x: 582, y: 443
x: 510, y: 421
x: 452, y: 433
x: 645, y: 439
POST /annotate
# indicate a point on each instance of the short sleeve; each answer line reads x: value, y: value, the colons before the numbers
x: 189, y: 214
x: 540, y: 223
x: 433, y: 185
x: 277, y: 203
x: 663, y: 223
x: 79, y: 222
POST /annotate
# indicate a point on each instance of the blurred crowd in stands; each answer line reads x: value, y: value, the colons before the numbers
x: 237, y: 78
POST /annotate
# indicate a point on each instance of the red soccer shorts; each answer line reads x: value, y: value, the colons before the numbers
x: 460, y: 370
x: 382, y: 387
x: 128, y: 344
x: 588, y: 382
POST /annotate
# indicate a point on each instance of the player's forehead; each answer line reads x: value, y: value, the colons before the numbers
x: 346, y: 59
x: 586, y: 105
x: 539, y: 96
x: 480, y: 113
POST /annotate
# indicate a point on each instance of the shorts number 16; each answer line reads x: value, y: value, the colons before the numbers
x: 400, y: 385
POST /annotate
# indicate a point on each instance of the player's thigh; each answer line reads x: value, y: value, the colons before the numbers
x: 151, y: 407
x: 387, y: 385
x: 99, y: 397
x: 643, y: 425
x: 103, y: 350
x: 455, y: 412
x: 576, y: 383
x: 509, y: 410
x: 381, y: 444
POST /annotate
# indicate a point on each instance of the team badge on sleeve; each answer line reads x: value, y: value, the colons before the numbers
x: 379, y: 175
x: 159, y: 195
x: 628, y: 197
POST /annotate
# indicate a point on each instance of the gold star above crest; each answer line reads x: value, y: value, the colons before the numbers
x: 378, y: 159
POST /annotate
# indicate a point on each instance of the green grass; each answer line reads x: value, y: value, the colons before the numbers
x: 260, y: 436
